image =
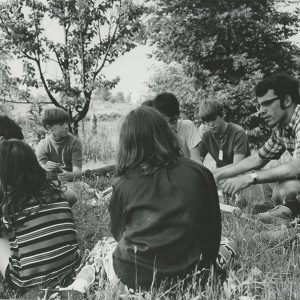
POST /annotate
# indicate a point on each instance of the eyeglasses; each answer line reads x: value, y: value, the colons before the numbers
x: 269, y: 101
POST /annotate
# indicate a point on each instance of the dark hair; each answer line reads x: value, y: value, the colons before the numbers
x: 147, y: 103
x: 209, y: 109
x: 146, y: 142
x: 282, y: 85
x: 22, y: 179
x: 9, y: 129
x: 167, y: 104
x: 55, y: 115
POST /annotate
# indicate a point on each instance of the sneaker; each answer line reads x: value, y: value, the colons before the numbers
x: 89, y: 272
x: 279, y: 215
x: 227, y: 252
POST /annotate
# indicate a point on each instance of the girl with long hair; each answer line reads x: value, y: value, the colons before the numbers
x: 164, y: 209
x: 38, y: 242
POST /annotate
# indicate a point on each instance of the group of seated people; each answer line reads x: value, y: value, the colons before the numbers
x: 164, y: 210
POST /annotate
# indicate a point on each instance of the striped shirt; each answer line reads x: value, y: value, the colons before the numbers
x: 44, y: 247
x: 283, y: 138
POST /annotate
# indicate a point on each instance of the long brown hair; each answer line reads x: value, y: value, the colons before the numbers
x: 22, y: 180
x: 146, y: 142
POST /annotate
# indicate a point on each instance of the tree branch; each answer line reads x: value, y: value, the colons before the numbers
x: 82, y: 61
x: 100, y: 41
x: 23, y: 102
x: 53, y: 100
x: 96, y: 72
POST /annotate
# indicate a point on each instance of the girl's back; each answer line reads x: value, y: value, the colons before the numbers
x: 36, y: 222
x: 167, y: 222
x: 43, y: 245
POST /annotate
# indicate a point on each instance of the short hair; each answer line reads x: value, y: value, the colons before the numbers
x: 147, y: 103
x: 9, y: 129
x: 146, y: 142
x: 55, y: 115
x: 167, y: 104
x: 210, y: 109
x: 282, y: 84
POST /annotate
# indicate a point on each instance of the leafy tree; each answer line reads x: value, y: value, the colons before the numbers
x: 9, y: 86
x: 226, y: 46
x: 172, y: 78
x: 96, y: 32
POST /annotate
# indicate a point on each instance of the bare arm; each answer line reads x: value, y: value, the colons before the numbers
x: 286, y: 171
x: 77, y: 172
x: 238, y: 157
x: 195, y: 155
x: 250, y: 163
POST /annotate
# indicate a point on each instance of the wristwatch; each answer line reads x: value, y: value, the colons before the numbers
x: 254, y: 178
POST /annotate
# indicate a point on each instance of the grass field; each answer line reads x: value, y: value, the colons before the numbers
x: 260, y: 270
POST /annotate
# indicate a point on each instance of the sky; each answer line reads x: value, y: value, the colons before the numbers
x: 134, y: 69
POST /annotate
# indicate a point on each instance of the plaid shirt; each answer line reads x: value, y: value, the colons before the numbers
x: 283, y: 138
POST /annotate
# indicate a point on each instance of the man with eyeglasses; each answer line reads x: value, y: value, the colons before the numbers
x: 168, y: 105
x: 279, y: 99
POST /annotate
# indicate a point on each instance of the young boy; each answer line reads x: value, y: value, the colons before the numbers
x: 227, y: 143
x: 168, y: 105
x: 60, y: 153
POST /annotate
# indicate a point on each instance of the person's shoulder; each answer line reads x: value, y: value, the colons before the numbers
x: 187, y: 123
x: 73, y: 139
x: 185, y: 127
x: 119, y: 181
x: 236, y: 128
x: 45, y: 140
x: 183, y: 161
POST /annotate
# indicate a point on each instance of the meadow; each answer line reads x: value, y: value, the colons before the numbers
x: 262, y: 269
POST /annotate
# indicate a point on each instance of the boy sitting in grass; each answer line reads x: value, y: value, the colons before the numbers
x: 168, y: 105
x: 60, y: 153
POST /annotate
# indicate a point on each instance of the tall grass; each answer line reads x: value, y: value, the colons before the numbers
x: 261, y: 270
x: 100, y: 146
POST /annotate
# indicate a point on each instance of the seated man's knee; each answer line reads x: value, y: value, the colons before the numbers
x: 288, y: 189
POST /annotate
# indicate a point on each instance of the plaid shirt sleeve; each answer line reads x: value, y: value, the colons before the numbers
x: 273, y: 148
x: 297, y: 142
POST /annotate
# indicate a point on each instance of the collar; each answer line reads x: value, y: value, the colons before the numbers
x: 294, y: 118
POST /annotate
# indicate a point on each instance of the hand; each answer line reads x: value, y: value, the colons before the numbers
x: 65, y: 176
x: 233, y: 185
x: 51, y: 166
x: 217, y: 175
